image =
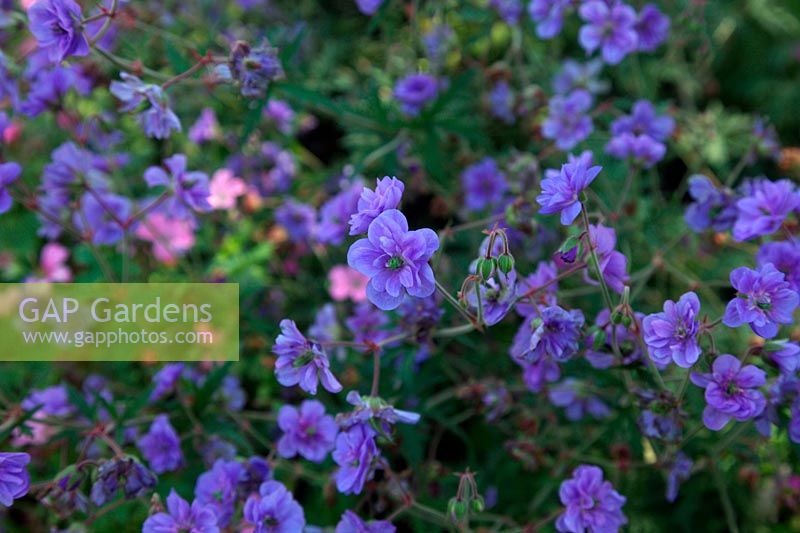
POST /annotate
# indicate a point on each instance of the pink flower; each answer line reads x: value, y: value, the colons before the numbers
x: 225, y: 189
x: 171, y: 237
x: 347, y: 283
x: 52, y: 263
x: 39, y: 432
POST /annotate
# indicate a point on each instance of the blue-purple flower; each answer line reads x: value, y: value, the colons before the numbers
x: 9, y: 172
x: 784, y: 256
x: 101, y: 216
x: 369, y: 7
x: 710, y: 207
x: 574, y: 75
x: 652, y: 28
x: 57, y: 26
x: 641, y: 150
x: 387, y: 194
x: 577, y: 400
x: 352, y: 523
x: 548, y: 16
x: 680, y: 468
x: 414, y: 91
x: 554, y: 333
x: 509, y: 10
x: 254, y: 68
x: 14, y: 478
x: 190, y: 190
x: 561, y: 190
x: 218, y: 488
x: 672, y: 334
x: 484, y: 185
x: 274, y: 510
x: 610, y: 28
x: 613, y: 264
x: 307, y: 431
x: 298, y: 219
x: 591, y: 503
x: 374, y: 412
x: 731, y: 392
x: 567, y: 122
x: 180, y: 516
x: 764, y: 300
x: 301, y: 362
x: 161, y: 446
x: 158, y: 120
x: 335, y: 214
x: 766, y: 207
x: 501, y: 102
x: 395, y: 259
x: 355, y: 454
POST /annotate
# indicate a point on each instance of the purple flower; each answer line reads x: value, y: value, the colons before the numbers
x: 574, y: 75
x: 577, y: 400
x: 307, y: 431
x: 554, y: 333
x: 785, y: 355
x: 9, y: 172
x: 501, y: 102
x: 414, y: 91
x: 165, y: 380
x: 206, y: 128
x: 767, y: 142
x: 601, y: 355
x: 218, y: 488
x: 395, y: 259
x: 435, y: 42
x: 254, y: 68
x: 180, y: 516
x: 672, y: 335
x: 609, y: 27
x: 652, y: 28
x: 567, y: 122
x: 274, y: 510
x: 644, y: 120
x: 355, y: 453
x: 484, y: 185
x: 158, y: 120
x: 128, y: 473
x: 189, y: 188
x: 498, y: 294
x: 161, y: 446
x: 509, y: 10
x: 536, y: 375
x: 766, y: 207
x: 711, y: 207
x: 545, y: 276
x: 561, y: 190
x: 368, y: 7
x: 49, y: 87
x: 53, y: 401
x: 784, y: 256
x: 336, y: 213
x: 281, y: 114
x: 387, y: 194
x: 613, y: 264
x: 548, y: 16
x: 301, y: 362
x: 731, y: 392
x: 231, y: 394
x: 764, y: 300
x: 351, y: 523
x: 680, y: 468
x: 375, y: 412
x: 14, y: 478
x: 642, y: 150
x: 367, y: 323
x: 591, y: 503
x: 56, y: 24
x: 299, y: 220
x: 101, y: 215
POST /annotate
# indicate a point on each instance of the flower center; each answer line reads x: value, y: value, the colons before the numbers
x: 394, y: 262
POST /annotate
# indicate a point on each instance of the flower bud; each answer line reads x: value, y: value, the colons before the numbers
x: 505, y: 263
x: 486, y: 267
x: 478, y: 504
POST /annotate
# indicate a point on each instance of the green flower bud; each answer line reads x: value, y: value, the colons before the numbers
x: 487, y: 267
x: 505, y: 263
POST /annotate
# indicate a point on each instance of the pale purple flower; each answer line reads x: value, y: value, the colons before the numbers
x: 574, y: 75
x: 206, y: 128
x: 613, y: 264
x: 784, y: 256
x: 9, y: 172
x: 190, y: 189
x: 351, y: 523
x: 785, y: 355
x: 218, y: 488
x: 498, y: 294
x: 158, y: 120
x: 484, y: 185
x: 591, y: 503
x: 554, y: 333
x: 764, y: 300
x: 509, y: 10
x: 301, y: 362
x: 577, y: 400
x: 374, y: 412
x: 56, y: 24
x: 369, y: 7
x: 548, y: 16
x: 501, y: 102
x: 652, y: 28
x: 298, y: 219
x: 641, y: 150
x: 711, y: 207
x: 567, y: 122
x: 14, y: 478
x: 644, y: 120
x: 281, y: 114
x: 274, y: 510
x: 731, y: 392
x: 336, y: 213
x: 161, y: 446
x: 165, y: 380
x: 387, y: 194
x: 395, y: 259
x: 610, y: 28
x: 766, y: 207
x: 307, y: 431
x: 180, y: 516
x: 544, y: 276
x: 53, y: 401
x: 561, y: 190
x: 672, y: 334
x: 254, y: 68
x: 355, y: 454
x: 536, y: 375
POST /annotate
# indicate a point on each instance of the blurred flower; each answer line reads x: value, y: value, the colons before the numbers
x: 254, y: 68
x: 158, y: 120
x: 301, y: 362
x: 14, y: 478
x: 584, y: 76
x: 537, y: 374
x: 577, y: 401
x: 610, y: 28
x: 274, y: 510
x: 336, y: 213
x: 764, y: 300
x: 218, y: 488
x: 180, y: 516
x: 414, y: 91
x: 395, y: 259
x: 591, y: 503
x: 161, y: 446
x: 554, y: 333
x: 57, y: 26
x: 785, y: 257
x: 763, y: 210
x: 9, y: 172
x: 387, y: 195
x: 355, y: 453
x: 484, y: 185
x: 347, y: 283
x: 543, y: 287
x: 643, y: 120
x: 642, y: 150
x: 711, y: 207
x: 501, y: 102
x: 548, y: 16
x: 369, y: 7
x: 307, y: 431
x: 126, y: 472
x: 351, y: 523
x: 189, y: 188
x: 53, y: 264
x: 613, y: 264
x: 567, y: 122
x: 367, y: 323
x: 224, y: 189
x: 171, y: 237
x: 206, y: 128
x: 680, y: 468
x: 731, y: 392
x: 561, y: 190
x: 652, y: 28
x: 509, y: 10
x: 298, y: 219
x: 672, y: 335
x: 54, y: 401
x: 281, y: 114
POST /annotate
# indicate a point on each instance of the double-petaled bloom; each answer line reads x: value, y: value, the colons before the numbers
x: 672, y: 334
x: 764, y: 300
x: 731, y: 392
x: 561, y: 189
x: 302, y: 362
x: 591, y: 503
